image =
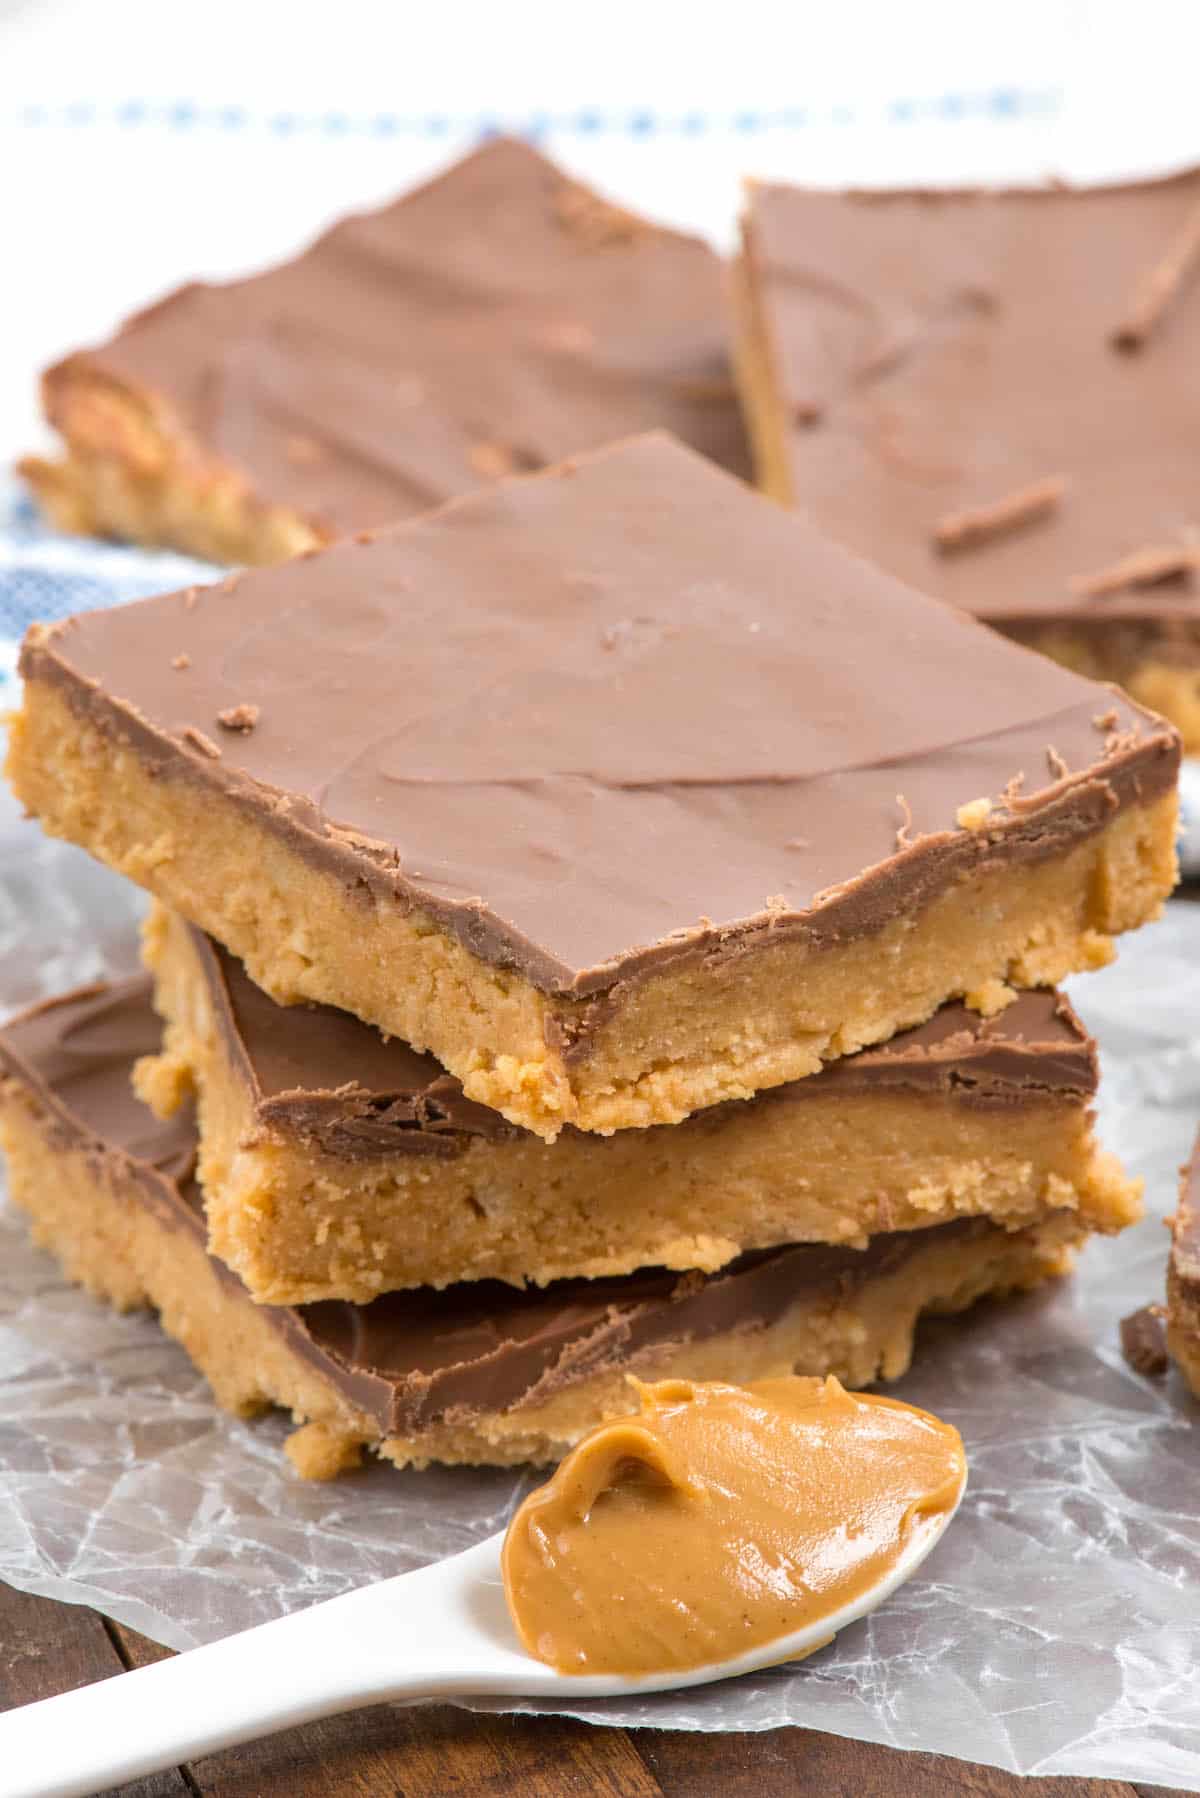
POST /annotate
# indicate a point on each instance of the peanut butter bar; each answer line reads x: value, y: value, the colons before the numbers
x: 996, y: 396
x: 1183, y: 1276
x: 617, y: 788
x: 336, y: 1164
x: 494, y: 320
x: 476, y: 1373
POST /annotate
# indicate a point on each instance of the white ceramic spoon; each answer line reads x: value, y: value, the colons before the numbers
x: 441, y: 1632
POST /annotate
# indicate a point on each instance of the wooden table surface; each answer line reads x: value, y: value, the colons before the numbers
x: 440, y: 1752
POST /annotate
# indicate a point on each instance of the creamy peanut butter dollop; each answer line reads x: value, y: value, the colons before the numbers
x: 721, y: 1518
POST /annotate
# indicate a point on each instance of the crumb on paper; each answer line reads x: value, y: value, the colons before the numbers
x: 182, y: 660
x: 1106, y: 720
x: 904, y: 828
x: 1056, y: 763
x: 319, y: 1452
x: 974, y: 814
x: 798, y: 843
x: 239, y: 717
x: 990, y: 999
x: 231, y: 583
x: 190, y: 597
x: 1144, y: 1340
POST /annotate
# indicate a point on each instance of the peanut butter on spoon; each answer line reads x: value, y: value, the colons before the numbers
x: 721, y: 1518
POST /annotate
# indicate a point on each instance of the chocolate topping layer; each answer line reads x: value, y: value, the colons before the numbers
x: 938, y: 352
x: 619, y: 713
x: 410, y: 1358
x: 495, y: 320
x: 338, y: 1083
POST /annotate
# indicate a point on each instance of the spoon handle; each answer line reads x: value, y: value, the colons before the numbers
x: 404, y: 1638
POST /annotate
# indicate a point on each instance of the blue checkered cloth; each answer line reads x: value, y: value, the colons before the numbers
x: 45, y: 576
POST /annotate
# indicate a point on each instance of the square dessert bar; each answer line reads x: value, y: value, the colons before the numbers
x: 336, y: 1163
x: 476, y: 1373
x: 496, y: 319
x: 617, y: 788
x: 996, y: 396
x: 1183, y: 1276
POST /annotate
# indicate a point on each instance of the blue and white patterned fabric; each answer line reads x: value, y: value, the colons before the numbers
x: 44, y: 576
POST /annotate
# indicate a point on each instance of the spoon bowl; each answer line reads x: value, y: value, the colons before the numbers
x: 443, y: 1631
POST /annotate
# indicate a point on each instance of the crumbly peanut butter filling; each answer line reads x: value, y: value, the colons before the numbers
x: 722, y: 1518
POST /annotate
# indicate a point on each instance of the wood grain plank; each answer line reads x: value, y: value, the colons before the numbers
x: 430, y: 1751
x: 47, y: 1648
x: 778, y: 1763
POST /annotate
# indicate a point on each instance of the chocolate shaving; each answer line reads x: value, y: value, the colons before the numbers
x: 199, y: 741
x: 238, y: 717
x: 494, y: 460
x: 1010, y: 798
x: 979, y: 524
x: 1159, y: 286
x: 1144, y: 568
x: 303, y: 451
x: 1144, y: 1340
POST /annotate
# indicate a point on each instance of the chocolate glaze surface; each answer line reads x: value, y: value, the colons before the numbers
x: 496, y: 319
x: 611, y: 716
x: 411, y: 1358
x: 324, y: 1076
x: 937, y: 352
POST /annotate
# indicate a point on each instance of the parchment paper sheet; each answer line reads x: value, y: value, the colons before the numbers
x: 1053, y: 1631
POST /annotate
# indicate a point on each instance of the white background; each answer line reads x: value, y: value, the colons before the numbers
x: 101, y: 212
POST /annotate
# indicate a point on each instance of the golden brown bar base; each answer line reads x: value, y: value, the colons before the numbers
x: 130, y: 472
x: 298, y: 1224
x: 111, y: 1243
x: 748, y: 1022
x: 1170, y: 686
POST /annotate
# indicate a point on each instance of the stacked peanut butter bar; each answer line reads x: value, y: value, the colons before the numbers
x: 601, y: 926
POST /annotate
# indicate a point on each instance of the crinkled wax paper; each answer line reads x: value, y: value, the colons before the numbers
x: 1053, y: 1630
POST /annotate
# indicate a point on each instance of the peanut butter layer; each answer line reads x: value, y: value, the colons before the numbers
x: 476, y: 1373
x: 720, y: 1518
x: 996, y: 396
x: 618, y: 789
x: 494, y: 320
x: 338, y: 1164
x: 1183, y: 1276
